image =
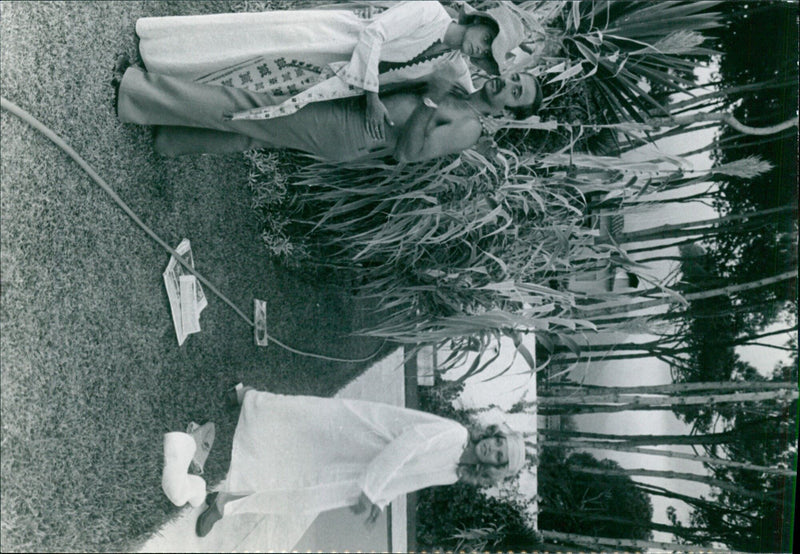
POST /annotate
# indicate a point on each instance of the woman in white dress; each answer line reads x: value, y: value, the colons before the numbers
x: 302, y: 56
x: 306, y: 454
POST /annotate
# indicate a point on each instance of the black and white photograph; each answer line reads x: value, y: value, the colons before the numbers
x: 398, y: 276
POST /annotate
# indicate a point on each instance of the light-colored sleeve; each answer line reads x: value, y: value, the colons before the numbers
x: 463, y: 75
x: 412, y: 443
x: 400, y: 20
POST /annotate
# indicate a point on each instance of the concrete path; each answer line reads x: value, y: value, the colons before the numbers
x: 337, y: 530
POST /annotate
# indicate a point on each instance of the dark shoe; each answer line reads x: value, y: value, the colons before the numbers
x: 235, y: 396
x: 232, y: 396
x: 115, y: 100
x: 211, y: 515
x: 121, y: 64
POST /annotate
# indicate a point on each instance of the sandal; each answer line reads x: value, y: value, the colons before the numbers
x: 203, y: 436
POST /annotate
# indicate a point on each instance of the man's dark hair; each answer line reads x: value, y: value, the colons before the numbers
x: 524, y: 112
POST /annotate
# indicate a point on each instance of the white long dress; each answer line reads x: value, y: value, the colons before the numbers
x: 285, y: 52
x: 305, y: 454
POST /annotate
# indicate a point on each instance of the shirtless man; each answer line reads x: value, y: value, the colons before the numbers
x: 195, y: 118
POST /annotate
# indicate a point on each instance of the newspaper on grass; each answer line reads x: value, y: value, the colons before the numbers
x: 186, y: 296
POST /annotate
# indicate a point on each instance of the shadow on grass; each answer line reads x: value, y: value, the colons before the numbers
x: 92, y: 375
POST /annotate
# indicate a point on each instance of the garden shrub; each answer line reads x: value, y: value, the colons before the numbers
x: 268, y: 180
x: 443, y: 512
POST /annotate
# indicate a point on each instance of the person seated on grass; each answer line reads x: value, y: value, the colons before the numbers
x: 306, y: 454
x: 194, y: 118
x: 295, y: 57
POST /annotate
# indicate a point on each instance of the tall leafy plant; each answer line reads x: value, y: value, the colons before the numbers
x: 626, y: 50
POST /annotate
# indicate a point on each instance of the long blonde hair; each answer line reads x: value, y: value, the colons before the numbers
x: 479, y: 473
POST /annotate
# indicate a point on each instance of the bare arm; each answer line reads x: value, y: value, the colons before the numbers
x: 428, y: 134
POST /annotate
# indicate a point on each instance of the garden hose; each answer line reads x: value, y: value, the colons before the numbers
x: 39, y: 126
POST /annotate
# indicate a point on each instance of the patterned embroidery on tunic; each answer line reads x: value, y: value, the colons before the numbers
x: 432, y: 52
x: 260, y: 73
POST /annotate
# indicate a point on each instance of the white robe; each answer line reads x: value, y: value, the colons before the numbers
x: 305, y: 454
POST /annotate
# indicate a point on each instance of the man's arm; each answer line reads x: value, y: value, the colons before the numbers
x: 428, y: 135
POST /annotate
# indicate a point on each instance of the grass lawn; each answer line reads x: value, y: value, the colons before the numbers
x: 92, y: 375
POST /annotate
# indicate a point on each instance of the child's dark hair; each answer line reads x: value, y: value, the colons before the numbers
x: 473, y: 19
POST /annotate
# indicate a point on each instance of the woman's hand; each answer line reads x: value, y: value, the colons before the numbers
x: 363, y: 503
x: 377, y: 116
x: 366, y: 12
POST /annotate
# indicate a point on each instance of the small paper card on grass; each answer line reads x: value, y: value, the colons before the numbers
x: 260, y: 322
x: 185, y: 295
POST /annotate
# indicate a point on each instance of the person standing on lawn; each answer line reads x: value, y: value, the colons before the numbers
x: 296, y: 57
x: 306, y: 454
x: 194, y: 118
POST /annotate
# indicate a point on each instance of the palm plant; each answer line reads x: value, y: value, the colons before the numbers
x: 625, y: 49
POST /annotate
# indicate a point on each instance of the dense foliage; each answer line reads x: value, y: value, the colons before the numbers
x: 575, y: 502
x: 445, y: 512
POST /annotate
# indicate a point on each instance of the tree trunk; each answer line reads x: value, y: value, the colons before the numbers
x: 708, y: 194
x: 710, y: 481
x: 591, y: 390
x: 609, y: 445
x: 663, y: 231
x: 557, y: 548
x: 603, y: 542
x: 690, y: 500
x: 675, y: 314
x: 686, y: 533
x: 623, y: 402
x: 645, y: 440
x: 655, y: 346
x: 654, y: 247
x: 688, y: 230
x: 730, y: 144
x: 610, y: 308
x: 611, y: 357
x: 660, y: 259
